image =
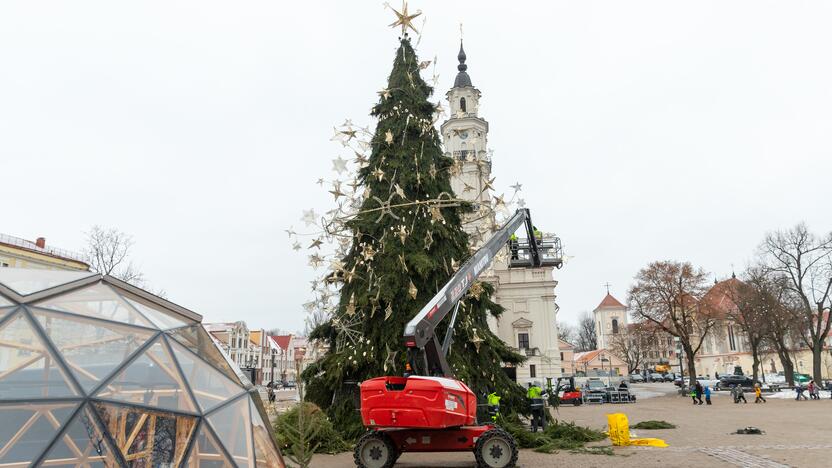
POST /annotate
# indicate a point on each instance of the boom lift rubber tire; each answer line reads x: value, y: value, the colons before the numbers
x: 496, y: 448
x: 375, y: 450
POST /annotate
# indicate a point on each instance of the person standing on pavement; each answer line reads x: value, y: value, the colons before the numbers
x: 708, y: 394
x: 799, y: 389
x: 697, y: 389
x: 758, y: 393
x: 740, y: 394
x: 811, y: 389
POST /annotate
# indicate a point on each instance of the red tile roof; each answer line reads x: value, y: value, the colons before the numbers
x: 282, y: 340
x: 718, y: 301
x: 588, y: 356
x: 610, y: 301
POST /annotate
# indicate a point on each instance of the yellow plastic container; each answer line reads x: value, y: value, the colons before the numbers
x: 620, y: 433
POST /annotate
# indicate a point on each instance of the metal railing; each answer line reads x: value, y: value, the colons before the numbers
x: 549, y: 248
x: 29, y: 245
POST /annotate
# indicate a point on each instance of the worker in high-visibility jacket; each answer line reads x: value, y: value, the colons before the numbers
x: 538, y: 236
x: 514, y: 246
x: 493, y: 405
x: 535, y: 396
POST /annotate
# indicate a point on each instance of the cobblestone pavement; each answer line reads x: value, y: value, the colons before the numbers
x: 796, y: 435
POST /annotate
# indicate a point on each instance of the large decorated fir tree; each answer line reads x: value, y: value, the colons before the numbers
x: 406, y: 241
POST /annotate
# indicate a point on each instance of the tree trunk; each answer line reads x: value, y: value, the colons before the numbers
x: 691, y: 366
x: 755, y: 355
x: 817, y: 352
x: 788, y: 366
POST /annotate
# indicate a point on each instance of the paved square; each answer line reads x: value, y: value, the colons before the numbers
x: 796, y: 434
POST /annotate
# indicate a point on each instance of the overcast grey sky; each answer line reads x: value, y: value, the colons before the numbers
x: 640, y: 130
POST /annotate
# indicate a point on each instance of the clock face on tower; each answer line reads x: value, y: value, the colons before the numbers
x: 463, y: 134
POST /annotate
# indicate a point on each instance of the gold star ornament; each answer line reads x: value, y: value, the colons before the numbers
x: 403, y: 18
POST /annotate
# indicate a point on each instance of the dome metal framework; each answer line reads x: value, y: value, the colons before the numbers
x: 96, y: 373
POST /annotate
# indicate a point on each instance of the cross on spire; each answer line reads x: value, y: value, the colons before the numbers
x: 607, y: 284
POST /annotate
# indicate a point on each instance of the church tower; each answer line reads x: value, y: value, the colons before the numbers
x: 610, y: 321
x: 465, y: 135
x: 529, y: 323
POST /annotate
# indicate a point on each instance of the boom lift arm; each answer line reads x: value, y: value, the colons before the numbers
x: 420, y: 333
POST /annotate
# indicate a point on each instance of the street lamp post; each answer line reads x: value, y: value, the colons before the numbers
x: 603, y: 360
x: 679, y: 352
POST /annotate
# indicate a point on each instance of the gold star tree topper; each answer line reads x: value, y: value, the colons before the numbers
x: 404, y: 19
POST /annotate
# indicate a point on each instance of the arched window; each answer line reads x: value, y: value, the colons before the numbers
x: 615, y: 326
x: 462, y: 105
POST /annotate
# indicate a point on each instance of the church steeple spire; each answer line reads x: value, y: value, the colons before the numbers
x: 462, y: 79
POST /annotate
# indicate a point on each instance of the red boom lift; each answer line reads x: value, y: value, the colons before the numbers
x: 431, y: 411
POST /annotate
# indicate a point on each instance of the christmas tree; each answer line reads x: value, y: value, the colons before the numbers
x: 405, y: 241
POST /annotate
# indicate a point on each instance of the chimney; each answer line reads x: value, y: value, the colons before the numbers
x: 41, y: 242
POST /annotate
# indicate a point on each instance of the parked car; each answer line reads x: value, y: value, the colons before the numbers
x: 731, y: 381
x: 289, y: 384
x: 668, y: 377
x: 656, y: 377
x: 636, y: 378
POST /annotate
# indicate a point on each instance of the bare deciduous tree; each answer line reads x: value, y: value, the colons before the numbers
x: 108, y: 252
x: 567, y: 333
x: 746, y: 309
x: 587, y: 340
x: 633, y: 345
x: 804, y: 261
x: 668, y: 293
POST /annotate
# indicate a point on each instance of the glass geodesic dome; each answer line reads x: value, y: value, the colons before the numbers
x: 95, y: 372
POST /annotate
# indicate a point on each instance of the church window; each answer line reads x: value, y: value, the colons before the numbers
x: 532, y: 371
x: 523, y: 340
x: 462, y: 105
x: 731, y: 341
x: 561, y: 355
x: 615, y: 326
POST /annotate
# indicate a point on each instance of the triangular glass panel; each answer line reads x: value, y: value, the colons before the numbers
x: 232, y: 425
x: 208, y: 385
x: 83, y: 444
x: 4, y: 311
x: 206, y: 452
x: 92, y: 349
x: 199, y: 342
x: 99, y: 301
x: 152, y: 379
x: 147, y: 438
x: 265, y: 451
x: 163, y: 320
x: 27, y: 429
x: 5, y: 302
x: 25, y: 281
x: 27, y: 368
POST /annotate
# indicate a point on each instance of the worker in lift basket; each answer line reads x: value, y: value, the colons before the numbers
x: 535, y: 396
x: 514, y: 246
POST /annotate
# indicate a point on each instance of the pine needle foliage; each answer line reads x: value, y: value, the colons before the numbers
x: 557, y: 436
x: 305, y: 430
x: 653, y: 425
x: 407, y: 240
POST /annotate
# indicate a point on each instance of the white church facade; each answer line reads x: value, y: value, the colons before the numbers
x: 529, y: 322
x: 610, y: 321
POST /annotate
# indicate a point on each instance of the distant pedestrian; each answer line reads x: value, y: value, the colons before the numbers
x: 814, y: 392
x: 811, y: 389
x: 758, y: 392
x: 693, y: 394
x: 740, y: 394
x: 708, y: 394
x: 272, y: 395
x: 698, y: 392
x: 799, y: 389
